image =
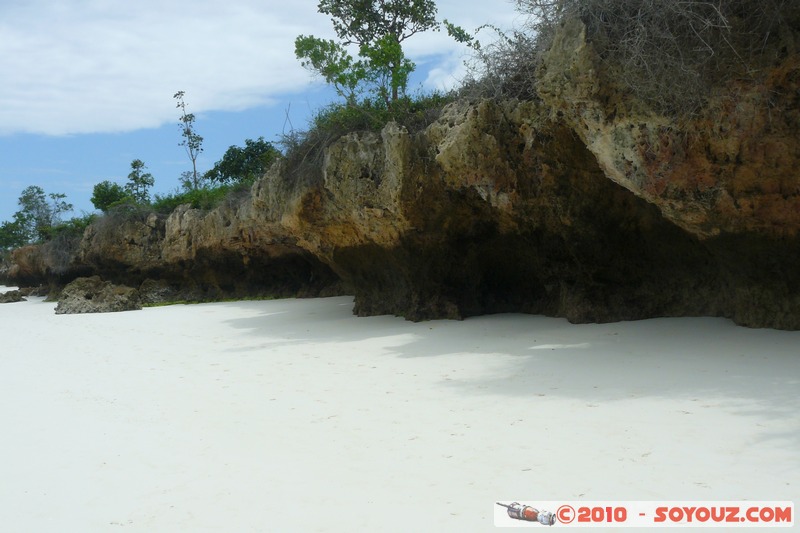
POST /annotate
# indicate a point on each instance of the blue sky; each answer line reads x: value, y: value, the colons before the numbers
x: 88, y: 84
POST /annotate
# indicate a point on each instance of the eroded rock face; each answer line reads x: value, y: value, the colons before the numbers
x: 53, y: 263
x: 228, y: 252
x: 520, y: 217
x: 732, y: 169
x: 93, y: 295
x: 504, y: 207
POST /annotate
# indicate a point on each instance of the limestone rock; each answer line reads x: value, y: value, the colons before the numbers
x: 123, y: 238
x: 41, y: 290
x: 11, y: 297
x: 93, y: 295
x: 158, y: 291
x: 730, y: 169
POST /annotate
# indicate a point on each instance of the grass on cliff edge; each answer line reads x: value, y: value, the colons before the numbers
x: 205, y: 198
x: 304, y: 150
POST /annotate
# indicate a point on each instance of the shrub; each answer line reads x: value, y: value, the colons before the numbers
x: 72, y: 228
x: 203, y: 198
x: 304, y: 149
x: 505, y: 68
x: 671, y: 54
x: 244, y: 164
x: 60, y: 251
x: 106, y: 193
x: 419, y: 112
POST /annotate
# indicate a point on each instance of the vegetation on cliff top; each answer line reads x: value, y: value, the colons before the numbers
x: 378, y: 29
x: 40, y: 217
x: 670, y: 55
x: 374, y: 85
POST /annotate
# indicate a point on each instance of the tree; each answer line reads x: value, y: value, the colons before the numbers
x: 13, y: 234
x: 334, y: 63
x: 37, y: 215
x: 243, y: 165
x: 57, y: 207
x: 139, y: 182
x: 378, y: 28
x: 34, y: 212
x: 107, y: 193
x: 192, y: 142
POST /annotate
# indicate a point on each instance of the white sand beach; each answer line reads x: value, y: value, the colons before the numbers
x: 295, y: 415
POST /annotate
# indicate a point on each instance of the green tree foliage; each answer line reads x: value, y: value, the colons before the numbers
x: 106, y: 193
x: 34, y: 211
x: 38, y: 213
x: 205, y: 198
x: 72, y: 228
x: 244, y: 164
x: 139, y: 182
x: 192, y: 142
x: 13, y: 234
x: 58, y: 206
x: 333, y: 62
x: 377, y: 28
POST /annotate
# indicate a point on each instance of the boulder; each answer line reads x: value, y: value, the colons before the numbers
x: 10, y: 297
x: 93, y: 295
x: 41, y: 290
x: 157, y: 292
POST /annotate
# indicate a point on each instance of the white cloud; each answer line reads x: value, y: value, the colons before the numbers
x: 447, y: 75
x: 111, y: 66
x: 78, y: 66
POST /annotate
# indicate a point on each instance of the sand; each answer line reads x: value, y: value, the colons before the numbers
x: 294, y: 415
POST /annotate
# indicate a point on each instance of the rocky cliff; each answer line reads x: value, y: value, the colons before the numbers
x: 580, y: 204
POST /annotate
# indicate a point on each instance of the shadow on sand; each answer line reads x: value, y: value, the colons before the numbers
x: 753, y: 372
